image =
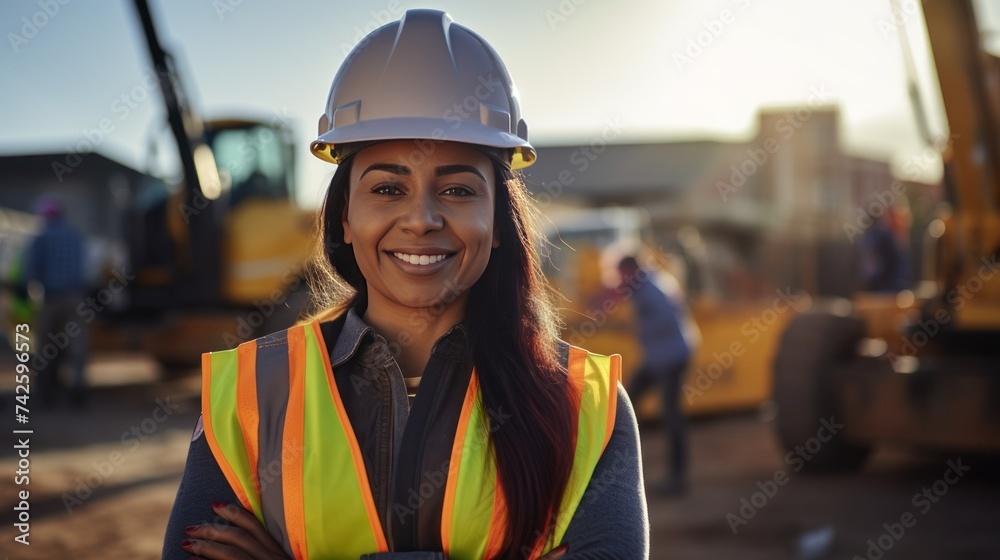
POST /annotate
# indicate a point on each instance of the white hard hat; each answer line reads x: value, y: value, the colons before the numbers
x: 423, y: 77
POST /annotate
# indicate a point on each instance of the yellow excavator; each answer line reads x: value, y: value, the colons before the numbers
x: 218, y: 258
x: 916, y: 367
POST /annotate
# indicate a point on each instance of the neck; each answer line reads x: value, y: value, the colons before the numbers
x: 412, y: 331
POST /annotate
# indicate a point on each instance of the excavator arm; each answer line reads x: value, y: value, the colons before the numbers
x: 188, y: 217
x: 969, y: 77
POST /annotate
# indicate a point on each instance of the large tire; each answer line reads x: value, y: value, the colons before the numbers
x: 812, y: 348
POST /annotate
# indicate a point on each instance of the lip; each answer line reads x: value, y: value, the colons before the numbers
x: 421, y: 269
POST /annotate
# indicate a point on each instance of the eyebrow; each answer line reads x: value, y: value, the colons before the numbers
x: 389, y: 168
x: 457, y: 168
x: 438, y: 171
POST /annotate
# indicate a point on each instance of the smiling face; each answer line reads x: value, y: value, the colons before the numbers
x: 422, y: 231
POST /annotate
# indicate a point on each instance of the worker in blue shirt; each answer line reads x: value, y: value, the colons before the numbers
x: 667, y: 337
x: 55, y: 261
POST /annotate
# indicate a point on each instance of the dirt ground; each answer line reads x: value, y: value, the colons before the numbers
x: 100, y: 489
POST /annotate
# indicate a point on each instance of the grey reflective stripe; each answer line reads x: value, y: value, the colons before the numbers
x: 272, y: 391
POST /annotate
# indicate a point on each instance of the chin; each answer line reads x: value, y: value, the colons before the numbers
x: 421, y: 300
x: 443, y: 297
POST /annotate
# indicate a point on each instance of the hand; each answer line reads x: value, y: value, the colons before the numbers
x: 247, y: 540
x: 556, y: 553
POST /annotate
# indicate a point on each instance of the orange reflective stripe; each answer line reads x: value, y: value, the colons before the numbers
x: 616, y: 375
x: 246, y: 403
x: 359, y: 463
x: 498, y: 526
x: 577, y: 371
x: 293, y: 448
x: 206, y: 413
x: 456, y: 460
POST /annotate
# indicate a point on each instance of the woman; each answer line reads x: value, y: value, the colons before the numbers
x: 516, y: 445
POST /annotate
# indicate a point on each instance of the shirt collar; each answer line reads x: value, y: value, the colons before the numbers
x: 350, y: 338
x: 452, y: 344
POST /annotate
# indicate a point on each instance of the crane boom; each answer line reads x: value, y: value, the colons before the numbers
x: 965, y: 72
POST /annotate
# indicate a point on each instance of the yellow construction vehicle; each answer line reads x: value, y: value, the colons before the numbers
x: 916, y: 367
x: 731, y: 368
x: 218, y: 258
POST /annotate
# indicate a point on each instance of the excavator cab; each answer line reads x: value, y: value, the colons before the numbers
x: 254, y: 159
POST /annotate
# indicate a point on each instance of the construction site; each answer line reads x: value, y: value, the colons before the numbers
x: 840, y: 299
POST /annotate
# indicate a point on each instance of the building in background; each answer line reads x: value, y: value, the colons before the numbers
x: 783, y: 210
x: 95, y: 191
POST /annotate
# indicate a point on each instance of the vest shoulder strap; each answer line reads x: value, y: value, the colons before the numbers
x: 595, y: 378
x: 272, y: 411
x: 473, y: 516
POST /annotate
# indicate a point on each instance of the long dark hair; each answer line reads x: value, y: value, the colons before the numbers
x: 513, y: 331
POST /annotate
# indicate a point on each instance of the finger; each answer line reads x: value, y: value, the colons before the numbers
x: 214, y: 550
x: 222, y: 534
x: 245, y: 520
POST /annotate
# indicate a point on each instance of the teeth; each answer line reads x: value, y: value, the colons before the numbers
x: 419, y: 259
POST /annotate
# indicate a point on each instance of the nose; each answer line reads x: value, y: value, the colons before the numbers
x: 422, y: 214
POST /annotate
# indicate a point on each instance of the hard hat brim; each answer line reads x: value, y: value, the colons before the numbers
x: 417, y: 128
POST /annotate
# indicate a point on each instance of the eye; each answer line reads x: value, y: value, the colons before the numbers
x: 459, y: 191
x: 386, y: 189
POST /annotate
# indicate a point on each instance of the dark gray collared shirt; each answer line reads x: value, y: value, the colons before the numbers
x: 610, y: 522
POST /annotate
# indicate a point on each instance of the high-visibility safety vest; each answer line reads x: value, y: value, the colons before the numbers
x: 306, y: 481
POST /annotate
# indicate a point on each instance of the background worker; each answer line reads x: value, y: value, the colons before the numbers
x: 668, y: 338
x: 55, y: 261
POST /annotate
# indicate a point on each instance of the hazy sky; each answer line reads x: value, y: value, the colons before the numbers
x: 577, y: 63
